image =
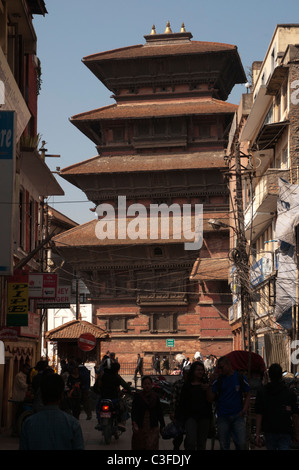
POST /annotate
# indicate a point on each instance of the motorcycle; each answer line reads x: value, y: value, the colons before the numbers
x: 109, y: 425
x: 164, y: 391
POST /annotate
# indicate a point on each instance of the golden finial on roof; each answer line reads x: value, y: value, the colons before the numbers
x: 168, y: 28
x: 183, y: 30
x: 153, y: 31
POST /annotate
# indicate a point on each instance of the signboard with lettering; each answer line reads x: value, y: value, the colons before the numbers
x: 62, y: 299
x: 17, y: 300
x: 7, y: 192
x: 43, y: 285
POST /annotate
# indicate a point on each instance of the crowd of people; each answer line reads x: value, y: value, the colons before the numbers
x: 163, y: 366
x: 207, y: 396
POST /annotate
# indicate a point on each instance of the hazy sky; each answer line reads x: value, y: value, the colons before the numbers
x: 73, y: 29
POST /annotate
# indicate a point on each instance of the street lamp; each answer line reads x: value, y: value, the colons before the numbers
x: 218, y: 224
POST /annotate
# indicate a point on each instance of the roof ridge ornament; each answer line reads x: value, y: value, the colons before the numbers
x: 168, y: 28
x: 183, y: 29
x: 153, y: 31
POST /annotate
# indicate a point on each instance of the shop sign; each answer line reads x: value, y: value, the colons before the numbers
x: 17, y: 300
x: 62, y: 300
x: 43, y: 285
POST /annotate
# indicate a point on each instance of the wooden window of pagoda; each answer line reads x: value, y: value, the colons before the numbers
x: 143, y: 128
x: 118, y: 134
x: 160, y: 128
x: 177, y: 126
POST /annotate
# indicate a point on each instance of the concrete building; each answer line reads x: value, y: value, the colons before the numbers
x: 267, y: 129
x: 25, y: 182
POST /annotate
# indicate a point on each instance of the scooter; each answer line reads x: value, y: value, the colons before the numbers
x: 109, y: 420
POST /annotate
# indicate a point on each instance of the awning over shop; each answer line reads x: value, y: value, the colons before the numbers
x: 270, y: 134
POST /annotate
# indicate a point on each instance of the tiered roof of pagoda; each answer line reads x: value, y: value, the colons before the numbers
x: 170, y: 57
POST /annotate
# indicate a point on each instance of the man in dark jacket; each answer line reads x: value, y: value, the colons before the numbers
x: 111, y: 382
x: 275, y: 409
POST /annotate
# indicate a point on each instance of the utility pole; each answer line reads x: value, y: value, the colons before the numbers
x: 241, y: 258
x: 239, y: 254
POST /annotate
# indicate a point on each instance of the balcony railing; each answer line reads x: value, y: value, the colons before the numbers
x: 264, y: 202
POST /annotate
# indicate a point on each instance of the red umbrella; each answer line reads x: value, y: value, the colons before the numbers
x: 240, y: 361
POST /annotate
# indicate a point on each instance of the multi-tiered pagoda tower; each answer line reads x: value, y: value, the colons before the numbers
x: 161, y: 142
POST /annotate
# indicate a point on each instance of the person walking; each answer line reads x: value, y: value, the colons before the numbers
x: 157, y: 366
x: 232, y: 393
x: 42, y: 369
x: 74, y: 386
x: 146, y: 416
x: 276, y: 409
x: 165, y: 366
x: 139, y: 368
x: 173, y: 407
x: 84, y: 374
x: 51, y: 428
x: 208, y: 363
x: 19, y: 393
x: 185, y: 363
x: 195, y: 408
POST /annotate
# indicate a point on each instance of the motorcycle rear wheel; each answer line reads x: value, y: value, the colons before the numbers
x: 107, y: 433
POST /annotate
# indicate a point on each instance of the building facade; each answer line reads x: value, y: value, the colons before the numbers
x: 160, y: 146
x: 267, y: 130
x: 25, y: 183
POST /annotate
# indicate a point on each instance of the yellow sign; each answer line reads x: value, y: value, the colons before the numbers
x: 17, y: 303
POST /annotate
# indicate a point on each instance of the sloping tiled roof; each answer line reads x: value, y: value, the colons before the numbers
x: 85, y: 235
x: 208, y: 269
x: 140, y: 163
x: 146, y: 50
x: 74, y: 329
x: 157, y: 109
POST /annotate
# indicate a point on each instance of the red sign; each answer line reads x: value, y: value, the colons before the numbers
x: 86, y: 342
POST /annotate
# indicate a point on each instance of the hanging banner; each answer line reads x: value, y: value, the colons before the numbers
x: 286, y: 280
x: 17, y: 300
